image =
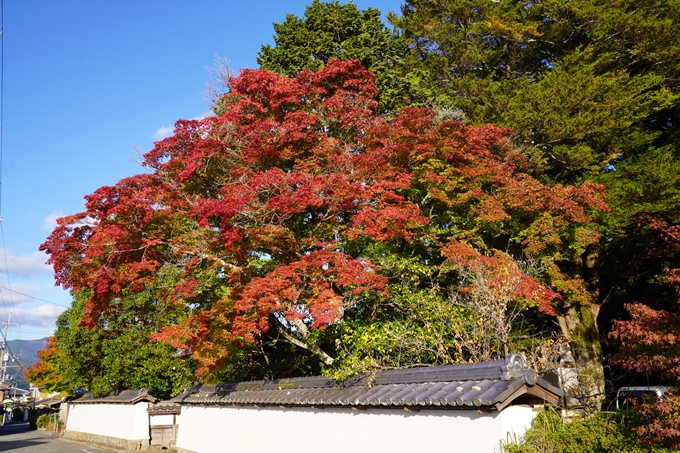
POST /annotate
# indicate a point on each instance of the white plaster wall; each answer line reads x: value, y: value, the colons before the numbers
x: 64, y: 409
x: 124, y: 421
x: 214, y: 429
x: 161, y: 419
x: 515, y: 420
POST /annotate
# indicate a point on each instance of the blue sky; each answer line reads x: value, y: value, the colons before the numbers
x: 88, y: 86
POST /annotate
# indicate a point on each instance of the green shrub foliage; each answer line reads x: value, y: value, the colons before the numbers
x: 601, y: 433
x: 42, y: 421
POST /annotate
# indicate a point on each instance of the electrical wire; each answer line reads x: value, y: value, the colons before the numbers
x: 2, y: 88
x: 4, y: 304
x: 33, y: 297
x: 27, y: 332
x: 15, y: 359
x: 9, y: 283
x: 2, y: 233
x: 2, y: 98
x: 6, y: 348
x: 2, y: 110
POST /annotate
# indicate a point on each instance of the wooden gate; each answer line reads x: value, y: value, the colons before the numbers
x: 163, y: 423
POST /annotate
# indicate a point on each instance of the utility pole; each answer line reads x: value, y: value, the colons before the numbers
x: 3, y: 356
x: 3, y: 348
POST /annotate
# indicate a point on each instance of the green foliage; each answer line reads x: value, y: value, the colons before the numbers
x: 332, y: 30
x: 116, y: 353
x: 572, y: 79
x: 591, y: 92
x: 643, y: 188
x: 601, y: 433
x: 414, y: 327
x: 42, y: 421
x: 432, y: 318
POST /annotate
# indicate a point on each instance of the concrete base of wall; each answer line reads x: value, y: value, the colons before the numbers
x: 106, y: 441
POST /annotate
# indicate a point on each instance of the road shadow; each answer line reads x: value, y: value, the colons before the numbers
x: 17, y: 444
x: 21, y: 437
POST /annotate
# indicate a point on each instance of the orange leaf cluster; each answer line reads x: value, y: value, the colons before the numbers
x: 503, y: 278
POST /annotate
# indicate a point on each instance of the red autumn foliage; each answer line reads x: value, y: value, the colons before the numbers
x: 503, y: 278
x: 659, y: 421
x: 268, y: 208
x: 649, y: 343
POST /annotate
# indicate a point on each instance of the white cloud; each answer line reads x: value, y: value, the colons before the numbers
x: 167, y: 131
x: 85, y: 221
x: 203, y: 115
x: 50, y: 221
x: 25, y: 265
x: 163, y: 132
x: 20, y: 292
x: 42, y: 316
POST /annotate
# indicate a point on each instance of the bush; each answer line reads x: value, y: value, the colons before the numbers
x: 658, y: 421
x: 600, y: 433
x: 42, y: 421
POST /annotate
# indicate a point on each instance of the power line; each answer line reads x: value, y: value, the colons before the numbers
x: 33, y: 297
x: 28, y: 332
x: 2, y: 102
x: 2, y: 111
x: 9, y: 283
x: 2, y: 88
x: 4, y: 348
x: 2, y: 233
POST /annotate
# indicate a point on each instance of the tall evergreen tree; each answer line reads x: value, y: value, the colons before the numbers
x: 591, y: 91
x: 334, y: 30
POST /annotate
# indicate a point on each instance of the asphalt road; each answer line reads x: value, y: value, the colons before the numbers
x: 17, y: 438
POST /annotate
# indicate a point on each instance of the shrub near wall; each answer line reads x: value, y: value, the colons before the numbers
x: 600, y: 433
x: 42, y: 421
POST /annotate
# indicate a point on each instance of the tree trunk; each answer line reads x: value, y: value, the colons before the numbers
x: 578, y: 322
x: 579, y: 326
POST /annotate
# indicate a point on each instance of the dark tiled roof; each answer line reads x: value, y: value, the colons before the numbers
x: 164, y: 407
x: 49, y: 402
x: 487, y: 384
x: 124, y: 397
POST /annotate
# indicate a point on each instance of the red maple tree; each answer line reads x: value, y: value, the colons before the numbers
x: 649, y: 343
x: 270, y: 207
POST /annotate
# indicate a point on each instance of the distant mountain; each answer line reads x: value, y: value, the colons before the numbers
x: 25, y: 354
x: 27, y: 350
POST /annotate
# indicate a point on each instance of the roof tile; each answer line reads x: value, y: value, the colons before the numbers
x: 471, y: 385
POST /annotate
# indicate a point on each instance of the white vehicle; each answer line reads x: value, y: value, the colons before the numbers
x: 628, y: 393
